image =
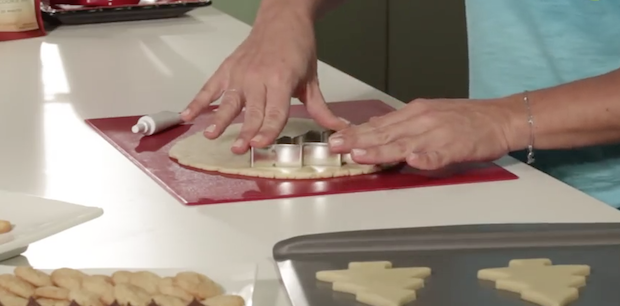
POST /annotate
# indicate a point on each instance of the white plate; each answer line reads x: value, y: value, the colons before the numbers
x: 236, y: 279
x: 35, y: 218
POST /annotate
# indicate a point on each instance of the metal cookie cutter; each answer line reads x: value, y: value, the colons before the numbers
x: 309, y: 149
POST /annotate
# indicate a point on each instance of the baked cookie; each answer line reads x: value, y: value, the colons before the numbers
x: 84, y: 298
x: 16, y: 286
x: 146, y: 280
x: 52, y: 302
x: 11, y: 300
x: 224, y: 300
x: 5, y: 292
x: 5, y: 226
x: 166, y: 300
x: 166, y: 286
x: 99, y: 286
x: 102, y: 277
x: 121, y: 277
x: 35, y: 277
x: 198, y: 285
x: 128, y: 294
x: 52, y: 293
x: 68, y: 278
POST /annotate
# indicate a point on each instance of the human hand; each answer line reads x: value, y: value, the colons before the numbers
x: 275, y: 63
x: 431, y: 134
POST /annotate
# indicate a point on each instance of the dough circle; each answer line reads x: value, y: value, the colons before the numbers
x: 199, y: 152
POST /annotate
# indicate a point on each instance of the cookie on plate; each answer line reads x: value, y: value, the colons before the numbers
x: 224, y: 300
x: 198, y: 285
x: 5, y: 226
x: 33, y: 276
x: 16, y: 286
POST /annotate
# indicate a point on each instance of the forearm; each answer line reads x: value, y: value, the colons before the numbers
x: 306, y: 9
x: 576, y: 114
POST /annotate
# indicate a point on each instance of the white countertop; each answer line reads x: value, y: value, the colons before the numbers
x: 50, y: 85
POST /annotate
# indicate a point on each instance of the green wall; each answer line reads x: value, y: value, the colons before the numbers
x: 427, y: 49
x: 353, y: 38
x: 244, y: 10
x: 406, y: 48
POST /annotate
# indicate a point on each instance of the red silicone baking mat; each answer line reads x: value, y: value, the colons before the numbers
x: 196, y: 187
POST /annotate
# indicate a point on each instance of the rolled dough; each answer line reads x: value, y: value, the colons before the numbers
x: 538, y: 281
x: 199, y: 152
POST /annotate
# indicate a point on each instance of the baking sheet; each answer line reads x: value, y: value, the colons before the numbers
x: 197, y: 187
x: 455, y: 254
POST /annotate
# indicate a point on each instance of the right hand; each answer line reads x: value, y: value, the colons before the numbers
x: 275, y: 63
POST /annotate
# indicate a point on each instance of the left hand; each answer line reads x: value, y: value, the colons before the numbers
x: 431, y: 134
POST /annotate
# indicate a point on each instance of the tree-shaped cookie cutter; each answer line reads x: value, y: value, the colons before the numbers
x: 308, y: 149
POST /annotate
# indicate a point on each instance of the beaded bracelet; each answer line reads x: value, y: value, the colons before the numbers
x: 530, y: 121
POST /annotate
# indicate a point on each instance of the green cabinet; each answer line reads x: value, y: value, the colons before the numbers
x: 352, y: 38
x: 244, y: 10
x: 406, y: 48
x: 427, y: 49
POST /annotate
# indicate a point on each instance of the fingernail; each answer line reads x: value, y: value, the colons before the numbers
x: 185, y: 113
x: 336, y: 141
x: 210, y: 128
x: 238, y: 143
x: 345, y: 120
x: 257, y: 138
x: 358, y: 152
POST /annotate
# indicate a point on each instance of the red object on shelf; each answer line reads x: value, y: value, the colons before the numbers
x: 95, y: 3
x: 197, y: 187
x: 16, y: 24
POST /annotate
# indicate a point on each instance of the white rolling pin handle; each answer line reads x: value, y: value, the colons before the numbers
x: 155, y: 123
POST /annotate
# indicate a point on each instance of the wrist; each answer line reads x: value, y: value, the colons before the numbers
x: 285, y: 10
x: 517, y: 130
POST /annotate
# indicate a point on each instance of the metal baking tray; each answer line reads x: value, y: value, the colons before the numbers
x: 455, y: 254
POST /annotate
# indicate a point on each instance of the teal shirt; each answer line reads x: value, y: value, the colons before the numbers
x: 517, y: 45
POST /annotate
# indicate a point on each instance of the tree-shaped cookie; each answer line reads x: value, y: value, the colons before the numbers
x: 377, y: 283
x: 538, y: 281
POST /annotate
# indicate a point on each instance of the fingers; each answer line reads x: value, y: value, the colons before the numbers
x: 276, y: 114
x: 411, y: 110
x: 320, y: 112
x: 253, y: 117
x: 230, y: 106
x: 209, y: 93
x: 418, y: 151
x: 377, y: 131
x: 432, y: 160
x: 352, y: 139
x: 377, y: 122
x: 410, y: 150
x: 395, y: 151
